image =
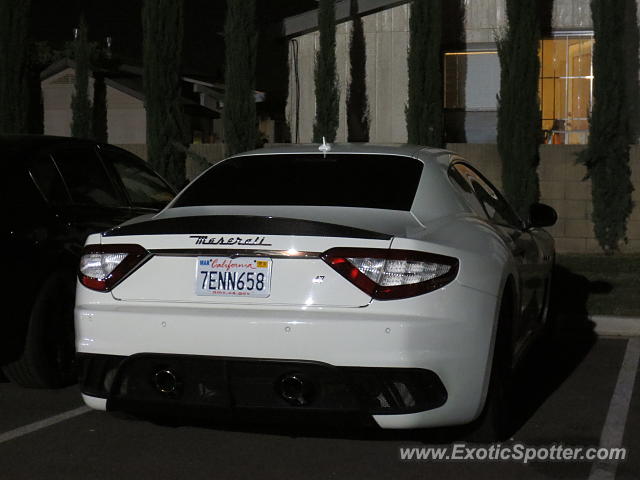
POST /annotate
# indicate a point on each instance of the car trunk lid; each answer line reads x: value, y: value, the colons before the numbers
x: 184, y: 248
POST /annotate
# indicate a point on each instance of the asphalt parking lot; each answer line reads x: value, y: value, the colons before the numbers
x: 577, y: 390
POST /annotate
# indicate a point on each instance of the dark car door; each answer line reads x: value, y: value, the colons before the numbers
x: 26, y: 228
x: 96, y: 203
x: 60, y: 192
x: 145, y: 190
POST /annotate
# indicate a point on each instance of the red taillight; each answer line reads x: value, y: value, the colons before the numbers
x: 392, y: 274
x: 103, y: 266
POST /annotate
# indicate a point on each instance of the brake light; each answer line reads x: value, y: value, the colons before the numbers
x: 102, y: 267
x: 392, y: 274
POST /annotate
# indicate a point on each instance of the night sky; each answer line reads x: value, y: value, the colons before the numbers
x: 54, y: 21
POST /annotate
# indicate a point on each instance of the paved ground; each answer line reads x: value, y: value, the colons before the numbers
x: 565, y: 393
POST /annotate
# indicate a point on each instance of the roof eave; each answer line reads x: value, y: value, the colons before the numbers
x: 306, y: 22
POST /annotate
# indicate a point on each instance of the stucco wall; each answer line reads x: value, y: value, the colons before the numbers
x: 572, y: 14
x: 562, y: 186
x: 126, y: 120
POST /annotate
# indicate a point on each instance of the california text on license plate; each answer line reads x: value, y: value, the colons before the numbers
x: 233, y: 277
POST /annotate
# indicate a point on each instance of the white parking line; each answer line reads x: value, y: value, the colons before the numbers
x: 613, y: 430
x: 47, y: 422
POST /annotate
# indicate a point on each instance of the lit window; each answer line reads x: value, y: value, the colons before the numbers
x: 566, y: 80
x: 472, y: 83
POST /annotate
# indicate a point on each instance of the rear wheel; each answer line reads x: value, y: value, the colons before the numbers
x: 549, y: 315
x: 48, y: 356
x: 496, y: 420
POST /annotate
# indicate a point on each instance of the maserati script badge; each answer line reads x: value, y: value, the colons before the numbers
x: 207, y: 240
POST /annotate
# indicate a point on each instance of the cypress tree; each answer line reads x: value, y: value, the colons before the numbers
x: 162, y: 22
x: 326, y: 75
x: 357, y: 105
x: 519, y: 122
x: 632, y: 64
x: 35, y: 114
x: 80, y: 103
x: 424, y: 114
x: 14, y: 92
x: 99, y: 111
x: 239, y: 113
x: 272, y: 67
x: 607, y: 155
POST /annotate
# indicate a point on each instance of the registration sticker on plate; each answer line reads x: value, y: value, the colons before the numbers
x: 233, y: 277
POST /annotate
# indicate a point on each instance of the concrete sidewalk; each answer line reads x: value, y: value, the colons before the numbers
x: 616, y: 326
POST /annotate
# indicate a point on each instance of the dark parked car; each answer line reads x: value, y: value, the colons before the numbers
x: 59, y: 190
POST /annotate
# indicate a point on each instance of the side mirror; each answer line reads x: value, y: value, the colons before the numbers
x: 541, y: 215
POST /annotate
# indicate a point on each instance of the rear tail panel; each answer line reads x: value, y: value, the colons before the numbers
x: 284, y: 257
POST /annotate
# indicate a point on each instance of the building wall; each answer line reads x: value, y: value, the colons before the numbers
x: 126, y: 121
x: 483, y: 20
x: 126, y: 118
x: 562, y: 186
x: 386, y: 35
x: 572, y: 14
x: 56, y: 96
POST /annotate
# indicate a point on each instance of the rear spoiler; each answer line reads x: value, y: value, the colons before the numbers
x: 241, y: 224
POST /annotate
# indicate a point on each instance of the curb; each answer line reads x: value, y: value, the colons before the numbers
x: 616, y: 326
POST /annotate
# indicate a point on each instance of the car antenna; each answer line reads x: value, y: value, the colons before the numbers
x: 325, y: 147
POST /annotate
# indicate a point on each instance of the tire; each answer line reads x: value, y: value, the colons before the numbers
x: 495, y: 423
x: 549, y: 313
x: 48, y: 357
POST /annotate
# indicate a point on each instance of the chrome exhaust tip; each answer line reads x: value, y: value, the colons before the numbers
x: 166, y: 382
x: 296, y: 389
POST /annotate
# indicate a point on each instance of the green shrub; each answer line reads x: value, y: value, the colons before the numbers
x: 519, y: 122
x: 162, y: 22
x: 357, y: 104
x: 424, y: 114
x: 239, y: 113
x: 607, y: 155
x: 14, y: 99
x: 326, y: 76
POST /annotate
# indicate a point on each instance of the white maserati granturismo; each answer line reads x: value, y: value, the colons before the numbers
x: 391, y: 282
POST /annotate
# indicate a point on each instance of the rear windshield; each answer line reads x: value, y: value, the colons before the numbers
x: 356, y: 180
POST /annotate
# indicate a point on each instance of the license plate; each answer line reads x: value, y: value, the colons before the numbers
x: 233, y: 277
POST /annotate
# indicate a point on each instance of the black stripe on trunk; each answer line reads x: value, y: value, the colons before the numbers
x: 241, y: 225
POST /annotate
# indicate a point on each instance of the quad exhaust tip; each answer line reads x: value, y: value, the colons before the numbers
x: 166, y: 381
x: 296, y: 389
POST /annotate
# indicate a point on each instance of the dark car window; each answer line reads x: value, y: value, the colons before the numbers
x: 459, y: 179
x: 22, y: 193
x: 144, y: 187
x: 496, y: 208
x: 86, y: 178
x: 49, y: 181
x: 356, y: 180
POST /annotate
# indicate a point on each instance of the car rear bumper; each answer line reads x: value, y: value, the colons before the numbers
x: 447, y: 333
x: 188, y: 385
